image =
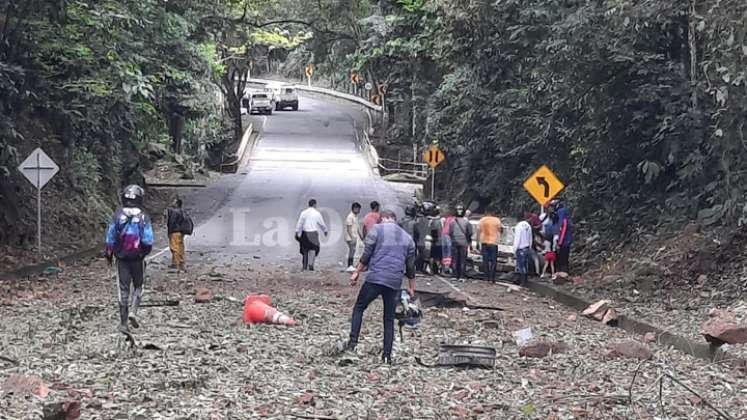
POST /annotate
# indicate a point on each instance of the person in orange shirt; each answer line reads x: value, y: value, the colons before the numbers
x: 490, y: 236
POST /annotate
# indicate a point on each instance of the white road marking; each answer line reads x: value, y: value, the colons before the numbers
x: 157, y: 254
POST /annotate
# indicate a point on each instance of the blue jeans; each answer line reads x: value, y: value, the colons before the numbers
x: 368, y: 293
x: 522, y: 260
x: 489, y: 260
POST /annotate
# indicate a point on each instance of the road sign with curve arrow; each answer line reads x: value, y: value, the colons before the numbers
x: 543, y: 185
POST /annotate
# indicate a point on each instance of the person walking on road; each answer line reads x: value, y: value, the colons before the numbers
x: 389, y: 253
x: 372, y: 218
x: 490, y: 237
x: 352, y: 233
x: 175, y: 219
x: 310, y: 222
x: 129, y: 239
x: 460, y: 232
x: 522, y: 248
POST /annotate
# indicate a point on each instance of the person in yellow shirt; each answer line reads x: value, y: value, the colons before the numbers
x: 490, y: 236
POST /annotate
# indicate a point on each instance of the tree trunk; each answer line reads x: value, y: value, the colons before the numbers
x: 176, y: 129
x: 693, y: 49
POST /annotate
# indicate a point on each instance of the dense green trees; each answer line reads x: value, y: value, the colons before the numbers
x: 100, y: 84
x: 639, y: 106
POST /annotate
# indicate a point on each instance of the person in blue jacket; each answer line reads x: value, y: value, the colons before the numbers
x: 129, y: 239
x: 565, y: 232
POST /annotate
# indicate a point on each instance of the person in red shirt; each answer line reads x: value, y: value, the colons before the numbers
x: 372, y: 218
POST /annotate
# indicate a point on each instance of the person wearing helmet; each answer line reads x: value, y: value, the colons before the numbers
x: 408, y: 223
x: 129, y: 239
x: 460, y: 232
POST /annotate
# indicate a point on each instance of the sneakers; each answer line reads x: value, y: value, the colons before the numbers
x: 134, y: 322
x: 124, y: 329
x: 387, y: 360
x: 350, y: 269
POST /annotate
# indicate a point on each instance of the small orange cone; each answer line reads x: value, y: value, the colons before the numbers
x: 257, y: 312
x: 262, y: 298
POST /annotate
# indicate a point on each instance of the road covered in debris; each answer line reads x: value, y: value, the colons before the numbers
x: 60, y: 350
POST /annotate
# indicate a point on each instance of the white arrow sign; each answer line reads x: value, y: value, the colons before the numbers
x: 368, y: 86
x: 38, y: 168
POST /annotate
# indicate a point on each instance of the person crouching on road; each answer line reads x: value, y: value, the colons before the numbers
x: 174, y: 219
x: 307, y: 233
x: 389, y: 253
x: 522, y: 248
x: 352, y: 233
x: 129, y: 238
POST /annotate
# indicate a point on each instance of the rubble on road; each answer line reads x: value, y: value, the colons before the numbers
x: 212, y: 366
x: 630, y: 349
x: 541, y: 349
x: 204, y: 295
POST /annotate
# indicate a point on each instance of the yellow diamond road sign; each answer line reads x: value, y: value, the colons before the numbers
x: 433, y: 156
x: 543, y: 185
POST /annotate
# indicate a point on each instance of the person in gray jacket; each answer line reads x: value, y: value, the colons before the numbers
x: 460, y: 231
x: 389, y: 254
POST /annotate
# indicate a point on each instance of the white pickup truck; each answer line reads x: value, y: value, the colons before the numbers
x: 259, y: 102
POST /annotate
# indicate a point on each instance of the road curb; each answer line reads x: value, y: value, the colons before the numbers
x: 683, y: 344
x: 40, y: 267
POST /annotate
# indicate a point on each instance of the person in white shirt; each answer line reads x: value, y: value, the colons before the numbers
x: 352, y: 234
x: 310, y: 222
x: 522, y: 248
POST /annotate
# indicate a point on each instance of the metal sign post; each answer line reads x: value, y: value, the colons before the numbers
x: 433, y: 157
x: 39, y: 169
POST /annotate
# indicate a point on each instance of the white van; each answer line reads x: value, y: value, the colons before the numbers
x: 286, y: 98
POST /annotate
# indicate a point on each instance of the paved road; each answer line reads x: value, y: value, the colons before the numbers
x: 299, y: 155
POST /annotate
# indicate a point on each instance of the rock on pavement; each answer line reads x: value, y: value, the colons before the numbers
x: 598, y: 310
x: 724, y: 328
x: 204, y: 295
x: 541, y: 349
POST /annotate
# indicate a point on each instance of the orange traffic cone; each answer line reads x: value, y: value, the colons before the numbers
x: 262, y: 298
x: 256, y: 312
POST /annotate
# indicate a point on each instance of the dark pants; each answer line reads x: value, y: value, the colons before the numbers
x: 368, y: 293
x: 129, y: 272
x: 562, y: 264
x: 460, y: 260
x: 489, y: 260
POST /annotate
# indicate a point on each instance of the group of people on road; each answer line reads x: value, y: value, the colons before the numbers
x: 544, y: 241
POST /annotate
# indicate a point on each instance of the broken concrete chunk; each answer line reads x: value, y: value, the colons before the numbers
x: 610, y: 318
x: 24, y: 385
x: 629, y: 349
x: 724, y: 328
x: 597, y: 310
x: 204, y: 295
x: 541, y: 349
x: 67, y: 410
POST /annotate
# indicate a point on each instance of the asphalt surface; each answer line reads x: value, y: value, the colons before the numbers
x: 299, y: 155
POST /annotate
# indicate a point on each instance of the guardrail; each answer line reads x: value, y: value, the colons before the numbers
x: 417, y: 170
x: 240, y: 152
x: 412, y: 171
x: 324, y: 91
